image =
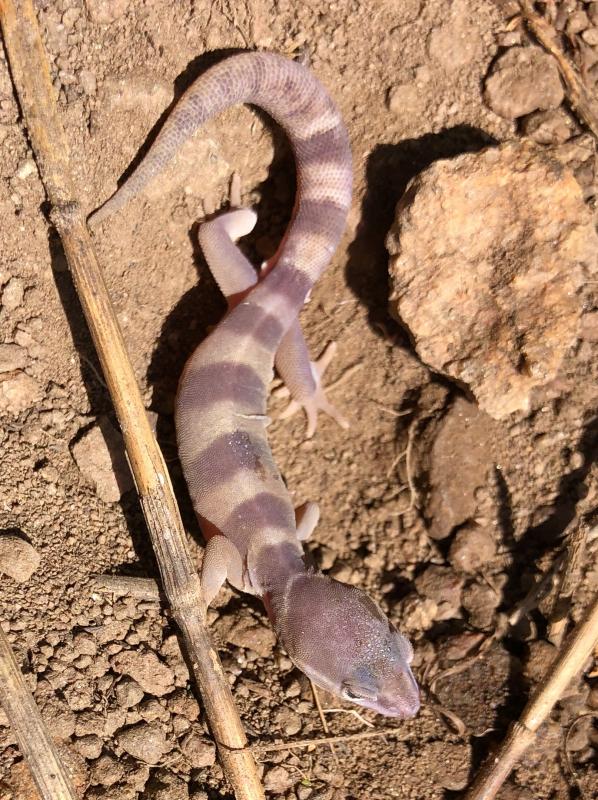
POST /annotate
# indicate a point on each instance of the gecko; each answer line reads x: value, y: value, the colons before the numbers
x: 334, y: 632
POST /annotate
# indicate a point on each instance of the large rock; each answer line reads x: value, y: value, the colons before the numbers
x: 488, y: 254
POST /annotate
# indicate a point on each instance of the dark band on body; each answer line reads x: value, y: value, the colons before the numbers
x: 208, y: 384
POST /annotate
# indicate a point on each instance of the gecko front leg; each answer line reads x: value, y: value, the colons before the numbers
x: 221, y: 562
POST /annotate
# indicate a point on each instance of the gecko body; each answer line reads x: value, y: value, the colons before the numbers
x: 334, y: 632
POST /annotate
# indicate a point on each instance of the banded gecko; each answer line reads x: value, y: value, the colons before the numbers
x: 334, y: 632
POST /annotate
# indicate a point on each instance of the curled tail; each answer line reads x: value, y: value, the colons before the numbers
x: 294, y: 98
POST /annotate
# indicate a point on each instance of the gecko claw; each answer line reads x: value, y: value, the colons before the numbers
x: 317, y: 401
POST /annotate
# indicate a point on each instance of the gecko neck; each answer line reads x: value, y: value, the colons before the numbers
x: 279, y: 565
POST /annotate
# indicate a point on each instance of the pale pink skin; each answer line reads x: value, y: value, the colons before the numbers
x: 334, y: 632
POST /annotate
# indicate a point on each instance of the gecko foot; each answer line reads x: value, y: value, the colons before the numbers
x: 317, y: 401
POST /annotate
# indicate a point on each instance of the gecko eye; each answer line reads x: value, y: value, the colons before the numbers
x: 356, y: 693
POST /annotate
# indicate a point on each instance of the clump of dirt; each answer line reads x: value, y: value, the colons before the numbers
x: 447, y: 517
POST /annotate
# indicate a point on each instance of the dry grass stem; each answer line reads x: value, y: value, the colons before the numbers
x: 32, y: 734
x: 568, y: 664
x: 120, y: 585
x: 314, y: 691
x: 31, y: 76
x: 328, y: 740
x: 579, y: 98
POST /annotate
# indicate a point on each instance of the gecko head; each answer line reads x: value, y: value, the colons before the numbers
x: 342, y: 640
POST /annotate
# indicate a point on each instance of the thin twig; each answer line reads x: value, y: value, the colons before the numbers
x: 120, y: 585
x: 353, y: 712
x: 538, y: 591
x: 559, y: 615
x: 522, y: 733
x: 580, y: 99
x: 32, y: 735
x: 314, y: 691
x: 327, y: 740
x: 570, y: 766
x: 31, y: 76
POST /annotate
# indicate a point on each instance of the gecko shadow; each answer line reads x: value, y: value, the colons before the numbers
x: 101, y: 408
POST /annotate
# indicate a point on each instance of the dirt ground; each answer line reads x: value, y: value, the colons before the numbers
x: 106, y: 670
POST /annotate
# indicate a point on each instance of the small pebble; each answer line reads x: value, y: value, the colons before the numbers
x: 472, y: 548
x: 278, y: 780
x: 144, y: 742
x: 90, y: 746
x: 146, y: 669
x: 18, y: 558
x: 128, y: 693
x: 13, y: 294
x: 199, y: 751
x: 522, y: 80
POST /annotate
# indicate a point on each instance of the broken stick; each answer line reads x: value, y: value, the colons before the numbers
x: 32, y: 734
x: 522, y: 733
x: 31, y: 77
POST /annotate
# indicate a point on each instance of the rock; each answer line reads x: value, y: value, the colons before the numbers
x: 165, y: 785
x: 541, y: 654
x: 416, y: 614
x: 151, y: 674
x: 128, y: 693
x: 89, y: 723
x: 13, y: 294
x: 590, y: 36
x: 181, y: 702
x: 18, y: 558
x: 144, y: 742
x: 151, y: 710
x: 278, y: 780
x: 88, y: 82
x: 489, y: 252
x: 480, y: 601
x: 288, y: 721
x: 100, y: 457
x: 477, y: 693
x: 106, y: 11
x: 458, y: 647
x: 457, y: 464
x: 522, y: 80
x: 457, y: 42
x: 18, y: 392
x: 12, y: 357
x: 549, y: 127
x: 199, y: 751
x: 107, y: 770
x: 406, y: 98
x: 472, y: 548
x: 90, y: 747
x: 449, y: 764
x: 59, y: 718
x: 443, y: 586
x: 247, y: 632
x: 79, y: 694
